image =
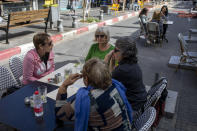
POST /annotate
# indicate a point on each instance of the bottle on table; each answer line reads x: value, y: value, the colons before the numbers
x: 38, y: 106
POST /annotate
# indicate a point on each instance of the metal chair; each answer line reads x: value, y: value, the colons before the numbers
x: 142, y: 30
x: 16, y: 66
x: 186, y: 56
x: 145, y: 121
x: 6, y: 79
x: 154, y: 34
x: 153, y: 94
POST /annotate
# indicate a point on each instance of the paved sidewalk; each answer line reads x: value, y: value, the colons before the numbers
x: 21, y: 38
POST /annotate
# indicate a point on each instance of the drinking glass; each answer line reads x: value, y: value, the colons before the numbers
x: 81, y: 61
x: 67, y: 72
x: 43, y: 92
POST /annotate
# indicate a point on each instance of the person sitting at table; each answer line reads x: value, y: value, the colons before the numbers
x: 164, y: 16
x: 39, y: 61
x: 128, y: 71
x: 157, y: 18
x: 102, y: 46
x: 143, y: 17
x: 101, y: 105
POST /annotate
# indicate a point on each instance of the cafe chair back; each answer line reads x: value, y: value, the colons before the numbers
x: 159, y: 85
x: 6, y: 79
x: 16, y: 66
x: 142, y: 30
x: 154, y: 34
x: 186, y: 56
x: 145, y: 121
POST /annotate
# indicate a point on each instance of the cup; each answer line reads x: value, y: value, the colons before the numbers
x: 81, y: 61
x: 67, y: 72
x: 43, y: 93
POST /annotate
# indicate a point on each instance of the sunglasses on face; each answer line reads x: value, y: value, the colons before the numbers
x: 116, y: 50
x: 101, y: 36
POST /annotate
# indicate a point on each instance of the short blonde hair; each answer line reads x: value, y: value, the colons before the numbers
x: 102, y: 30
x: 97, y: 73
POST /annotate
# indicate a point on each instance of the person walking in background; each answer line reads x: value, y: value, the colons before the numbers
x: 164, y: 17
x: 39, y: 61
x: 102, y: 46
x: 101, y: 105
x: 128, y: 71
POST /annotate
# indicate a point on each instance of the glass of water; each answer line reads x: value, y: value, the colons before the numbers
x: 81, y: 61
x: 43, y: 93
x: 67, y: 72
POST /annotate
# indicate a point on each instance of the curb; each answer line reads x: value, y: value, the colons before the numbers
x: 6, y: 54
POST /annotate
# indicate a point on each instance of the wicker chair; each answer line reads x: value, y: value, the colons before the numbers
x: 6, y: 79
x: 153, y: 94
x: 16, y: 66
x: 145, y: 121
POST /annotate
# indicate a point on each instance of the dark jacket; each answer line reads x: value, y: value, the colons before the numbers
x: 130, y: 75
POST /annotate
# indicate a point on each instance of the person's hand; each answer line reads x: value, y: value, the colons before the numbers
x: 71, y: 79
x: 109, y: 56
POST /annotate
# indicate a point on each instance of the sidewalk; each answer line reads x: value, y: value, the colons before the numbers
x: 21, y: 38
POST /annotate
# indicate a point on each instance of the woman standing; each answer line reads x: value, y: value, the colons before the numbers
x: 39, y: 61
x: 102, y: 47
x: 128, y: 71
x: 164, y: 16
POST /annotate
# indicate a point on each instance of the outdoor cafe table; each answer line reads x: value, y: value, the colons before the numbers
x: 168, y: 22
x: 71, y: 89
x: 15, y: 113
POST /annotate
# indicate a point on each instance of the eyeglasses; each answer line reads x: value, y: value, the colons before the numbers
x: 116, y: 50
x: 101, y: 36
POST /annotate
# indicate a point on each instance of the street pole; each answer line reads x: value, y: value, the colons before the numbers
x: 123, y: 5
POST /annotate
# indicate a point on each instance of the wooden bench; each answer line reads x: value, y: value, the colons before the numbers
x: 25, y: 18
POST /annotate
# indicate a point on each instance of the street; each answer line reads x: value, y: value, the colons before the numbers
x: 152, y: 59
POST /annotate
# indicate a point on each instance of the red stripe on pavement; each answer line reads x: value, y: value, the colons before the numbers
x: 125, y: 17
x: 56, y: 38
x: 7, y: 53
x: 179, y: 11
x: 115, y: 20
x: 101, y: 24
x: 81, y: 30
x: 133, y: 14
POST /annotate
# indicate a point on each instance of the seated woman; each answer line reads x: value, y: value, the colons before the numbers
x: 157, y: 18
x: 164, y: 16
x: 39, y: 61
x: 102, y: 47
x: 101, y: 105
x: 128, y: 71
x: 143, y: 17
